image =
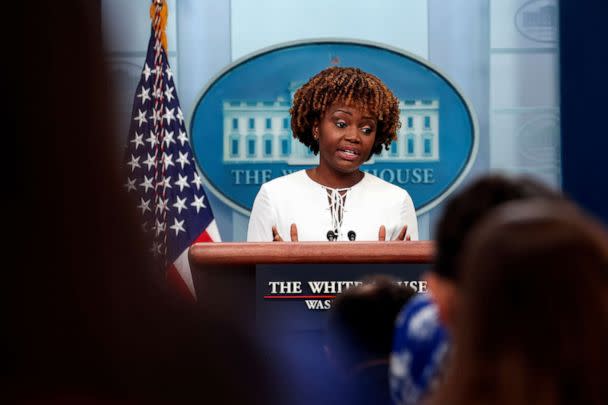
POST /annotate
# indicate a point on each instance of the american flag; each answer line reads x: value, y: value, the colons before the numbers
x: 161, y: 166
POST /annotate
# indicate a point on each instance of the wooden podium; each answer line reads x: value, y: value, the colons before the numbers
x: 236, y: 278
x: 226, y: 254
x: 280, y: 292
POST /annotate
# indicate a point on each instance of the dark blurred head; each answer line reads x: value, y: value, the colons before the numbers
x: 461, y: 213
x: 362, y: 320
x: 466, y: 208
x: 533, y: 320
x: 88, y: 313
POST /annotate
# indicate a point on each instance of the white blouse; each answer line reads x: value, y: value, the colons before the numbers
x: 296, y: 198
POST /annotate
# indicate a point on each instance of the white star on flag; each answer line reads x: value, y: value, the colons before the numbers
x: 169, y: 115
x: 180, y: 204
x: 150, y: 162
x: 160, y: 227
x: 158, y: 92
x: 147, y: 183
x: 183, y: 138
x: 130, y: 185
x: 167, y: 160
x: 197, y: 180
x: 138, y: 140
x: 177, y: 226
x: 183, y: 159
x: 153, y: 139
x: 198, y: 203
x: 182, y: 182
x: 134, y: 163
x: 144, y: 206
x: 161, y: 204
x: 168, y: 139
x: 141, y: 117
x: 144, y: 95
x: 169, y: 93
x: 164, y: 183
x: 146, y: 71
x: 156, y: 116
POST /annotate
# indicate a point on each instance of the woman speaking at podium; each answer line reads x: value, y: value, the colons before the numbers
x: 345, y: 115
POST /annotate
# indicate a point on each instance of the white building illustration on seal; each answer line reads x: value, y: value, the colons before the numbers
x: 260, y: 132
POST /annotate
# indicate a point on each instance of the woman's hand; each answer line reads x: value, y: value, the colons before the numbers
x: 293, y: 233
x: 402, y: 235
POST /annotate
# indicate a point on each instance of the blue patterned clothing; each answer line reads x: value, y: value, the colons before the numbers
x: 420, y: 346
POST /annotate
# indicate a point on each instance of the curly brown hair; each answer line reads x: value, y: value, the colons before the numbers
x: 353, y: 87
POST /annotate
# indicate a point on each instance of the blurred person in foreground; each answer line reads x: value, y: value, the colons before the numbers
x: 421, y: 343
x: 359, y: 338
x: 532, y: 324
x: 88, y: 316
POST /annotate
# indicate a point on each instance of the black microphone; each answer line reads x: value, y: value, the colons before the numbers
x: 352, y: 235
x: 331, y: 236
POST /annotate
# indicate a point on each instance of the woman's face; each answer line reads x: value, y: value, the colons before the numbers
x: 346, y: 137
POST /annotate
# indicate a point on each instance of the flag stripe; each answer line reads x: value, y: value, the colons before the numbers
x: 182, y: 267
x: 178, y: 283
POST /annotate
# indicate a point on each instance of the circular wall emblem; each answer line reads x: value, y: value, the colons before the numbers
x: 538, y: 20
x: 241, y: 132
x: 538, y: 145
